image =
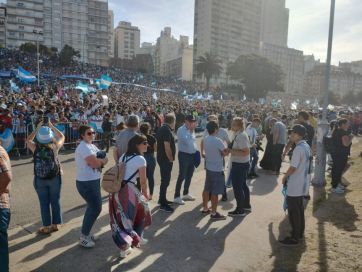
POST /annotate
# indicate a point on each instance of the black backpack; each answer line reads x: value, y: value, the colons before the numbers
x: 329, y: 144
x: 46, y: 163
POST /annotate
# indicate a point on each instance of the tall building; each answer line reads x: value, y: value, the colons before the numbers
x: 146, y: 49
x: 181, y: 67
x: 227, y: 28
x: 2, y: 25
x: 110, y: 33
x: 97, y: 35
x: 309, y: 63
x: 127, y: 40
x: 274, y: 22
x: 53, y: 21
x: 354, y: 66
x: 23, y: 19
x: 291, y: 62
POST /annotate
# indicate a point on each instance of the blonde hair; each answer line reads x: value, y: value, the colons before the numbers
x: 239, y: 122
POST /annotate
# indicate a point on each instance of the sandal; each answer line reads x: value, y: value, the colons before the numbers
x: 206, y: 212
x: 54, y: 228
x: 45, y: 230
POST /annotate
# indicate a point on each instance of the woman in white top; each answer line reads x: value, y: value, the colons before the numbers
x: 88, y: 181
x: 240, y: 159
x: 128, y: 209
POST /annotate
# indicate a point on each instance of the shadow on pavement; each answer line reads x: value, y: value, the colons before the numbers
x: 180, y: 244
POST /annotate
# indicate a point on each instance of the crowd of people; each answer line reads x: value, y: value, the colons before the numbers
x: 151, y: 130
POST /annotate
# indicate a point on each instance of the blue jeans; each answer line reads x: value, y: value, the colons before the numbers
x: 165, y: 169
x: 254, y: 158
x: 48, y: 191
x: 4, y: 246
x: 90, y: 190
x: 150, y: 171
x: 186, y: 171
x: 239, y: 173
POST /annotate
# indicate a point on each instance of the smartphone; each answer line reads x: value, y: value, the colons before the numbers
x: 45, y: 120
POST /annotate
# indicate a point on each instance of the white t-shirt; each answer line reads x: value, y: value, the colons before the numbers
x: 132, y: 166
x: 84, y: 171
x: 241, y: 141
x: 298, y: 181
x: 222, y: 134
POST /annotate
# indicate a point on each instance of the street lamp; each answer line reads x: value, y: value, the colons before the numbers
x: 323, y: 126
x: 39, y: 33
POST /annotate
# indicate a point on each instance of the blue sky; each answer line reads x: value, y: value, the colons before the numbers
x: 308, y: 23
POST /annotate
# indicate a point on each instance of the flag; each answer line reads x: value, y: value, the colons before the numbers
x: 14, y: 87
x: 154, y: 96
x: 244, y: 98
x: 25, y: 76
x: 83, y: 87
x: 106, y: 81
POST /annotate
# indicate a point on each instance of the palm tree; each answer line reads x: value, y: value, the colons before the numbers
x: 209, y: 66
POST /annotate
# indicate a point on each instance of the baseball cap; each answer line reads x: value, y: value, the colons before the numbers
x: 300, y: 130
x: 190, y: 118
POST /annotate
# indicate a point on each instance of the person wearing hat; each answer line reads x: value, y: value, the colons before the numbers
x: 47, y: 173
x: 296, y: 181
x: 186, y: 142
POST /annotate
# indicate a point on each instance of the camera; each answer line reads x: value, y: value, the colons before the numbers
x: 101, y: 154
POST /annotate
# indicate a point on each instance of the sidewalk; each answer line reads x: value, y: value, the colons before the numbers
x: 182, y: 241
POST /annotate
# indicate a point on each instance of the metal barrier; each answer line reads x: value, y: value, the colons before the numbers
x: 69, y: 130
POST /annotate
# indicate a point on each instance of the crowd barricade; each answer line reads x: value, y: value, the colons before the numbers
x: 69, y: 130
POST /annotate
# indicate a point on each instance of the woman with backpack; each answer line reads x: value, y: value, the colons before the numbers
x: 47, y: 173
x: 89, y: 161
x: 128, y: 209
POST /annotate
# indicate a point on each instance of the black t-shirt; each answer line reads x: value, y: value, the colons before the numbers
x: 310, y: 133
x: 337, y: 140
x: 151, y: 142
x: 164, y: 134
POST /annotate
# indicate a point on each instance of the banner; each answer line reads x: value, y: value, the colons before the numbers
x: 25, y: 76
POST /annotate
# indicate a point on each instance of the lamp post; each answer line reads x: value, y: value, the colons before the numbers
x: 323, y: 126
x: 38, y: 33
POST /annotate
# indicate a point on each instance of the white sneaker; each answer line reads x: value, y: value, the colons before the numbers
x: 188, y: 198
x: 341, y: 186
x: 126, y: 252
x: 86, y: 241
x: 143, y: 241
x: 338, y: 190
x: 179, y: 201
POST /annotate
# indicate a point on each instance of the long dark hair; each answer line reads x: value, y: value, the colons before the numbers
x: 133, y: 143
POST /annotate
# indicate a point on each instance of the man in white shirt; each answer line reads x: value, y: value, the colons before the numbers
x: 296, y: 180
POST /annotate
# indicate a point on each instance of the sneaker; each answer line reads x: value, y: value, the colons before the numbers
x: 179, y: 201
x: 248, y: 210
x: 166, y: 208
x: 86, y: 241
x: 237, y: 213
x: 168, y: 202
x: 217, y: 216
x: 143, y: 241
x: 126, y: 252
x: 288, y: 241
x: 338, y: 190
x: 188, y: 198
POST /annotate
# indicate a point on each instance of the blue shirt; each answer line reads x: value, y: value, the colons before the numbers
x: 186, y: 140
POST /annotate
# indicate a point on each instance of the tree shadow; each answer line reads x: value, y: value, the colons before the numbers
x: 334, y: 209
x: 178, y: 244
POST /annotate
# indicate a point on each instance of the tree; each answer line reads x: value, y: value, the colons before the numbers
x: 209, y: 66
x: 28, y: 47
x: 67, y: 54
x: 257, y: 74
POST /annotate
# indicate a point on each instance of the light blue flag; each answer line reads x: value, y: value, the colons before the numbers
x: 14, y: 87
x: 106, y: 81
x: 25, y: 76
x: 83, y: 87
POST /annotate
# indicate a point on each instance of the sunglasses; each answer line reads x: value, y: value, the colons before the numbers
x: 91, y: 133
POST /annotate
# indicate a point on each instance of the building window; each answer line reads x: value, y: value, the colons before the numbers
x: 21, y: 35
x: 21, y: 27
x: 20, y: 20
x: 20, y: 4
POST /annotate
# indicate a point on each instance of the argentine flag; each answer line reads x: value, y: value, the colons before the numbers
x: 14, y: 87
x: 106, y: 81
x: 25, y: 76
